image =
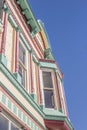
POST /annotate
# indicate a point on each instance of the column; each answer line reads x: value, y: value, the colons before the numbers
x: 59, y: 94
x: 3, y: 42
x: 40, y: 85
x: 3, y: 39
x: 16, y: 74
x: 33, y: 78
x: 31, y: 74
x: 17, y: 52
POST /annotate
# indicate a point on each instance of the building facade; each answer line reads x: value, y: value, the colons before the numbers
x: 31, y: 83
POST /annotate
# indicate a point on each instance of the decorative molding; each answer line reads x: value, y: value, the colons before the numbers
x: 6, y: 9
x: 3, y: 59
x: 44, y: 35
x: 48, y: 54
x: 17, y: 76
x: 15, y: 24
x: 48, y: 65
x: 27, y: 12
x: 34, y: 96
x: 7, y: 102
x: 54, y: 115
x: 18, y: 86
x: 20, y: 111
x: 3, y: 41
x: 23, y: 39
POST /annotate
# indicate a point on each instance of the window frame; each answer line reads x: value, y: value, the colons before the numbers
x: 23, y: 65
x: 10, y: 122
x: 50, y: 89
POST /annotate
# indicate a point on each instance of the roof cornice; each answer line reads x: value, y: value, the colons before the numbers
x: 28, y: 13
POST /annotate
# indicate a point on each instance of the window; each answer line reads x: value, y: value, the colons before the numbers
x: 6, y: 124
x: 48, y: 89
x: 1, y: 8
x: 3, y: 123
x: 21, y: 53
x: 13, y: 127
x: 22, y: 67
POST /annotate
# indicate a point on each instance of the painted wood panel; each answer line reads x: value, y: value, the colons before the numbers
x: 9, y: 46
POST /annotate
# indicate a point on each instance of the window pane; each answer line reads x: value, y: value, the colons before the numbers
x: 13, y: 127
x: 1, y: 8
x: 47, y: 79
x: 21, y: 72
x: 49, y: 99
x: 21, y: 53
x: 3, y: 123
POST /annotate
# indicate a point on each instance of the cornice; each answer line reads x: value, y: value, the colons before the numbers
x: 27, y: 12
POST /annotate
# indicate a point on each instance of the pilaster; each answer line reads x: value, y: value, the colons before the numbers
x: 17, y: 51
x: 3, y: 42
x: 3, y: 33
x: 33, y: 87
x: 40, y: 88
x: 59, y: 93
x: 16, y: 74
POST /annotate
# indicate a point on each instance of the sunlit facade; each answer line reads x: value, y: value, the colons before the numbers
x: 31, y: 83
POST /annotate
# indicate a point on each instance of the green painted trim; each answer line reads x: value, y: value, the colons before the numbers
x: 53, y: 66
x: 14, y: 24
x: 57, y: 115
x: 42, y: 107
x: 12, y: 21
x: 25, y: 42
x: 15, y: 107
x: 48, y: 65
x: 19, y: 87
x: 35, y: 59
x: 34, y: 96
x: 28, y: 97
x: 48, y: 54
x: 6, y: 9
x: 21, y: 115
x: 1, y: 21
x: 17, y: 77
x: 53, y: 114
x: 3, y: 59
x: 31, y: 19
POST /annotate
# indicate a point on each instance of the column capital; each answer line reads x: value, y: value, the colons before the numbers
x: 18, y: 29
x: 6, y: 9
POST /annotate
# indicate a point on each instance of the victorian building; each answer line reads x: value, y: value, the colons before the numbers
x: 31, y: 83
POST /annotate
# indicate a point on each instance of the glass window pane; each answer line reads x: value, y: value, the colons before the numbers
x: 13, y: 127
x: 21, y: 53
x: 21, y: 72
x: 3, y: 123
x: 49, y: 98
x: 1, y: 8
x: 47, y: 79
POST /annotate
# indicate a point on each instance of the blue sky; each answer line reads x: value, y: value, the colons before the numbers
x: 66, y: 25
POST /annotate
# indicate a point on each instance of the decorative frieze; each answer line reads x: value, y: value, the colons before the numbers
x: 11, y: 106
